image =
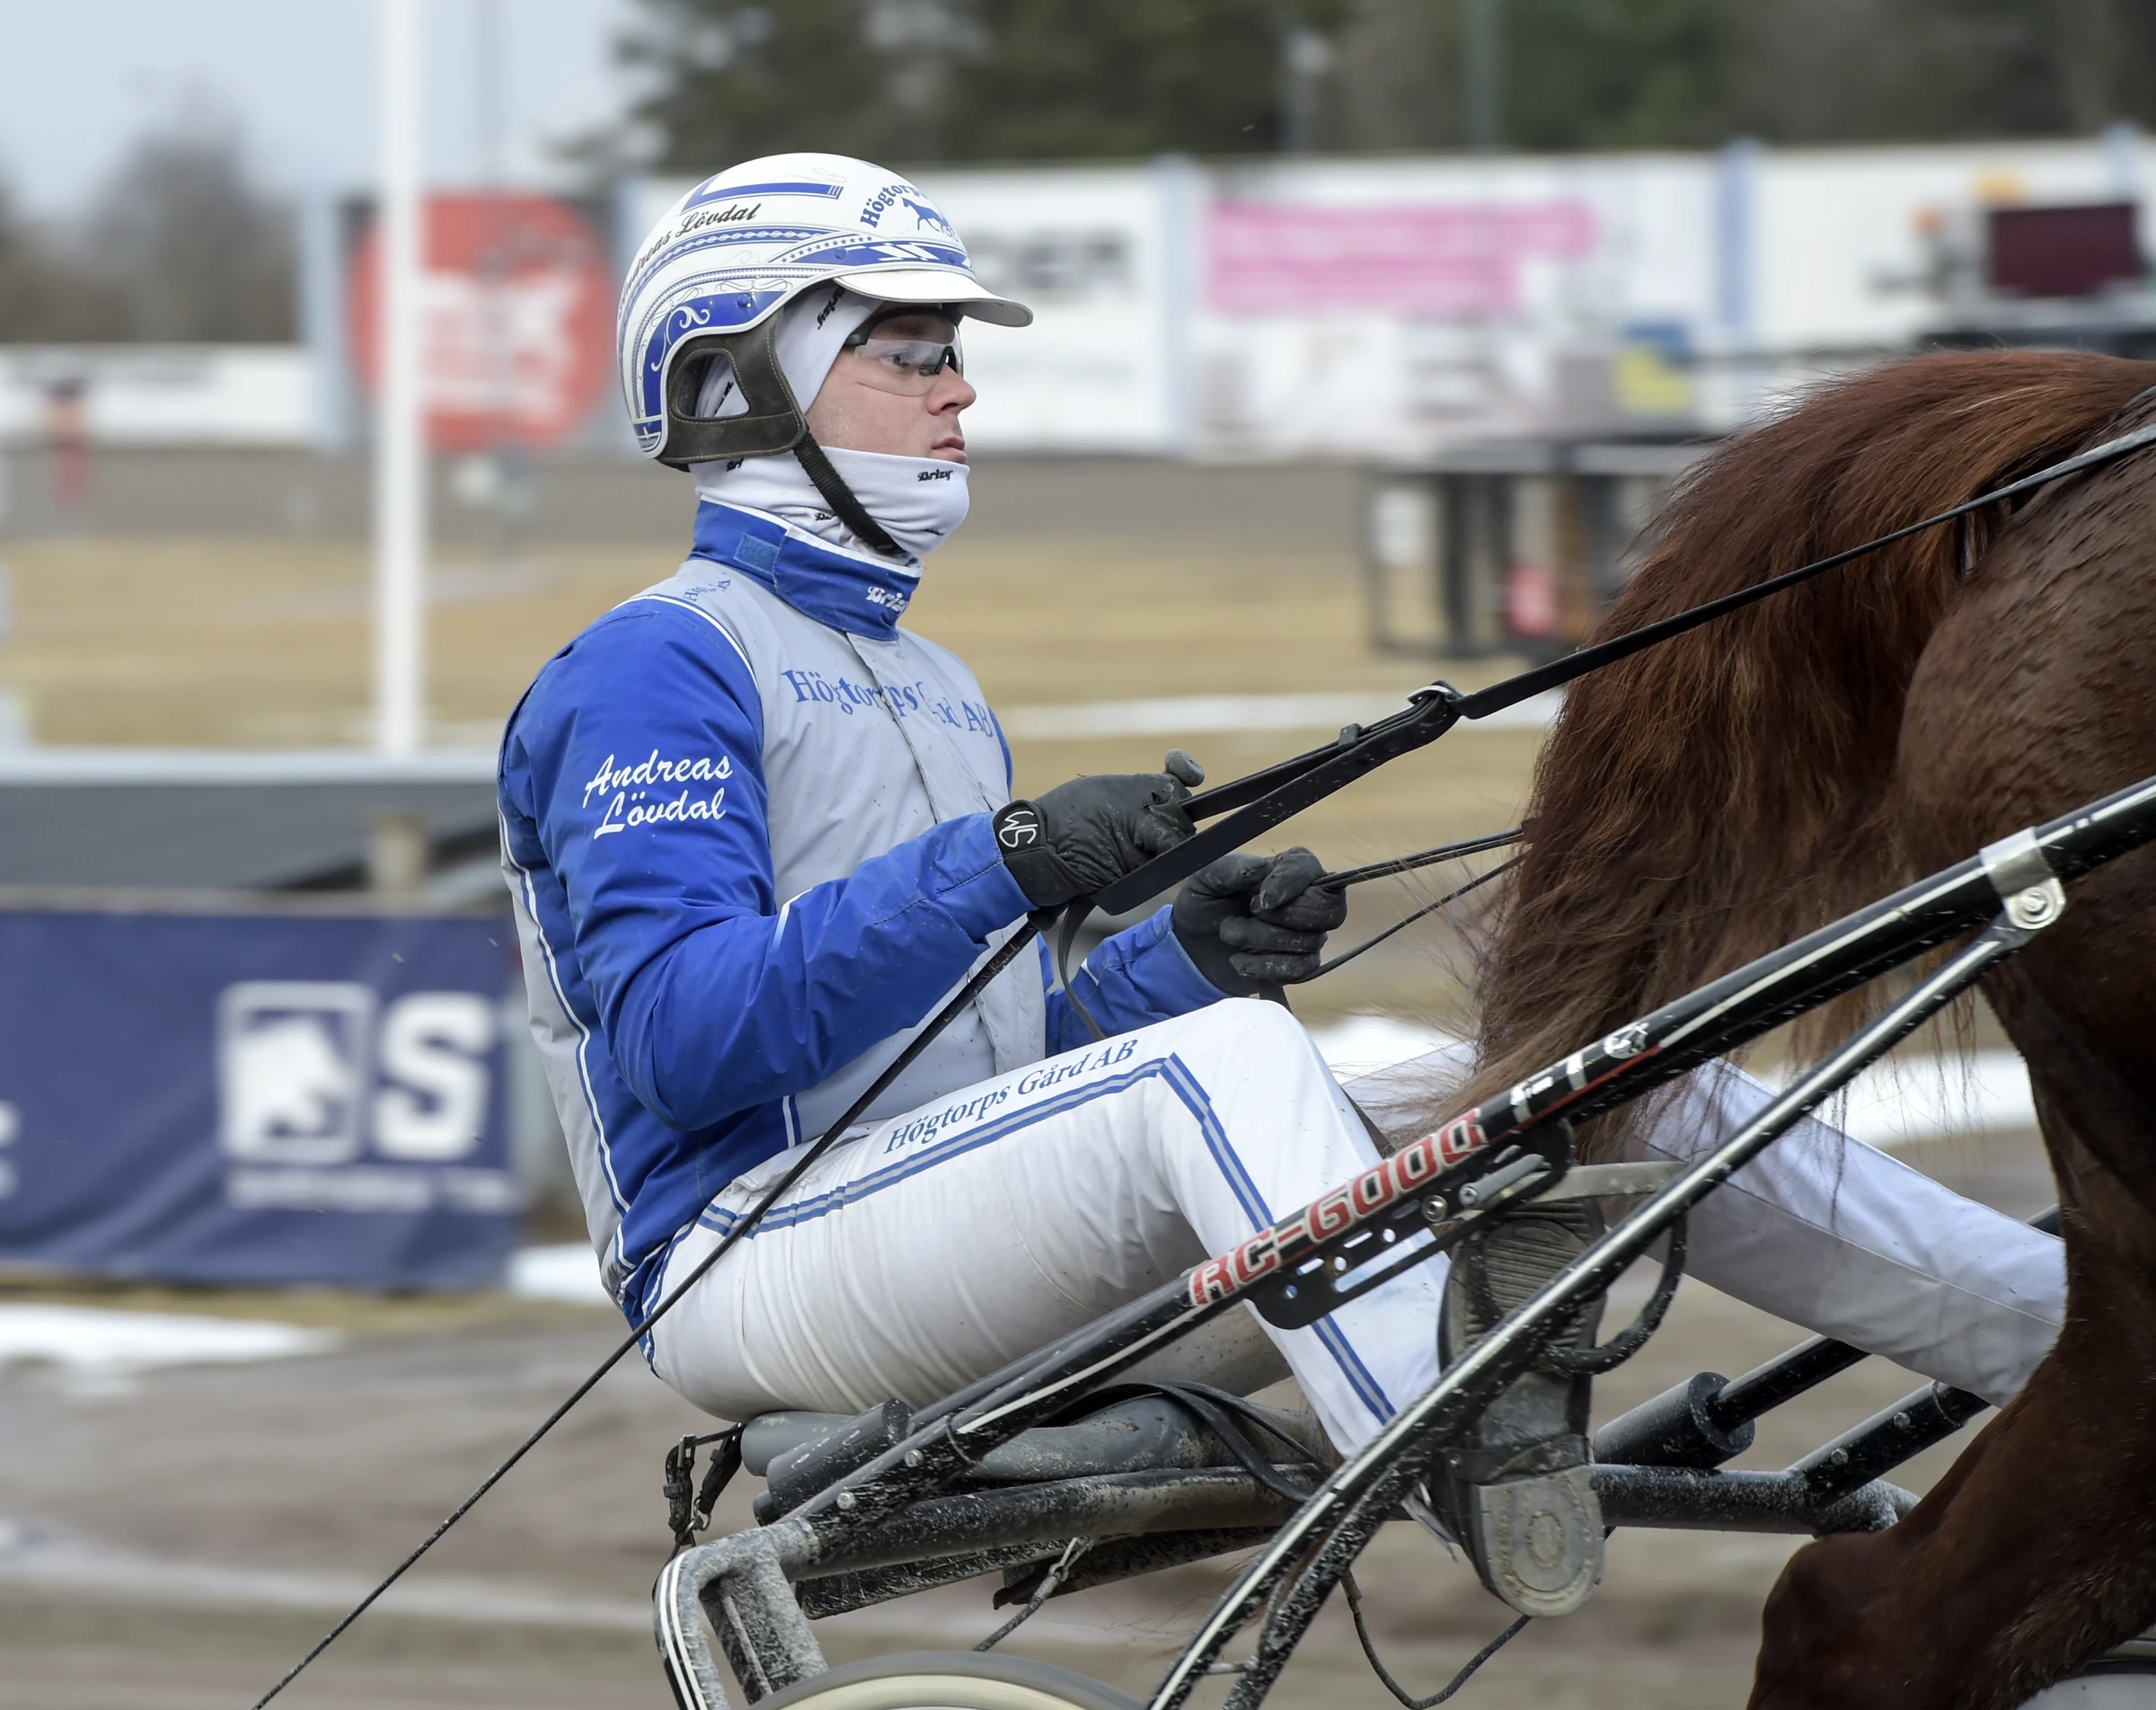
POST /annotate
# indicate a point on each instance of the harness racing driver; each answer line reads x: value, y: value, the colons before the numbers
x: 751, y: 825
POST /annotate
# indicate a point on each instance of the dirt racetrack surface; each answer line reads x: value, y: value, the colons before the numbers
x: 173, y: 1540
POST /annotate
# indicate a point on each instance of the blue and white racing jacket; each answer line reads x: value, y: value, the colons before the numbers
x: 745, y: 821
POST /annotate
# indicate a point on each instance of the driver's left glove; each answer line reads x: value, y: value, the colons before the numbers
x: 1249, y: 918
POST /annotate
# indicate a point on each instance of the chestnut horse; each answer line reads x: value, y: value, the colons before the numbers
x: 1711, y: 798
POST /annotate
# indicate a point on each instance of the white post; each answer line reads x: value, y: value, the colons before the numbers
x: 400, y: 419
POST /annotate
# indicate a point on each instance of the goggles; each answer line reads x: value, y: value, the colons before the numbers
x: 906, y: 350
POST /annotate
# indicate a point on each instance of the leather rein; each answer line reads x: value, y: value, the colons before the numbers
x: 1249, y: 806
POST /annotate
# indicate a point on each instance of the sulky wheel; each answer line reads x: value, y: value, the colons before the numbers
x: 948, y: 1681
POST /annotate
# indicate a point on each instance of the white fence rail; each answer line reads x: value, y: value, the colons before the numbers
x: 152, y: 394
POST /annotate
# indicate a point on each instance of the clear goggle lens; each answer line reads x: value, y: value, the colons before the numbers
x: 906, y: 353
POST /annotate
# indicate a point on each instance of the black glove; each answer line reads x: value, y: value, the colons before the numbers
x: 1090, y: 832
x: 1250, y: 917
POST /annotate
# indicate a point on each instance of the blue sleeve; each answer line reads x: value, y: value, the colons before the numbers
x: 640, y: 752
x: 1140, y: 975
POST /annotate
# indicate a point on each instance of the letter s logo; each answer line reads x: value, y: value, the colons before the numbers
x: 434, y: 1053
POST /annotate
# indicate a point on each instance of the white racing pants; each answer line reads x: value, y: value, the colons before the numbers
x: 940, y: 1244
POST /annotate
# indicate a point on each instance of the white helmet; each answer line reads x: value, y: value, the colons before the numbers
x: 712, y: 274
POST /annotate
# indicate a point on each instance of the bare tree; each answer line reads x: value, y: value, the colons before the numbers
x: 180, y: 247
x: 200, y: 255
x: 46, y: 295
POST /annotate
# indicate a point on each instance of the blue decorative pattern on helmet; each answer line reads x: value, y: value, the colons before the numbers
x: 715, y: 263
x: 670, y: 257
x: 727, y: 311
x: 849, y: 252
x: 716, y: 189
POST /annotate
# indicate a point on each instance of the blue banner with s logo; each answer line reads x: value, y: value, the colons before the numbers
x: 257, y: 1098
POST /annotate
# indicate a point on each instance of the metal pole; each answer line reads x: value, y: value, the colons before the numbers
x: 1485, y: 65
x: 400, y: 419
x: 1736, y: 244
x: 321, y: 319
x: 1306, y: 56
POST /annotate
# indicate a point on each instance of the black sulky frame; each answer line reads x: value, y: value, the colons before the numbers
x: 1416, y: 1203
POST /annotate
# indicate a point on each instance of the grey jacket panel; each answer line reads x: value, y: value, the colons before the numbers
x: 866, y: 745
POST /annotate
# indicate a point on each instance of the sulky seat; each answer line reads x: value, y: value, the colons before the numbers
x: 1155, y: 1474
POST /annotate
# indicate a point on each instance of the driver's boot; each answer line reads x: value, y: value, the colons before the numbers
x: 1517, y: 1491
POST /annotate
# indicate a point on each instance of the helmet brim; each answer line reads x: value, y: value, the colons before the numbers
x: 937, y: 285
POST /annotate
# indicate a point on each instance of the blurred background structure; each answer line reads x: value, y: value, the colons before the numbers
x: 1380, y: 325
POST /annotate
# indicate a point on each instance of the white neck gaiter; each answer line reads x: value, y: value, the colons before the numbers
x: 919, y: 501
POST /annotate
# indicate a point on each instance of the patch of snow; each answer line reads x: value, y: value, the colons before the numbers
x: 569, y: 1271
x: 1361, y: 1044
x: 1910, y: 1099
x: 101, y: 1340
x: 1900, y: 1102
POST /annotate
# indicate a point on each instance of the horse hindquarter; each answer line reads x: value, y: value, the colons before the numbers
x: 2039, y: 1549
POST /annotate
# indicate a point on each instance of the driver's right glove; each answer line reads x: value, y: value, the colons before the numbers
x: 1073, y: 839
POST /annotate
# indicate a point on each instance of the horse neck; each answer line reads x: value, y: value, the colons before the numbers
x: 1716, y: 796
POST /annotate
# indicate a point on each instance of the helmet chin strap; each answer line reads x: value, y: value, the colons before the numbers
x: 848, y: 509
x: 774, y: 422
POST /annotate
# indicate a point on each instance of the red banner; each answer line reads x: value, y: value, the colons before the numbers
x: 517, y: 301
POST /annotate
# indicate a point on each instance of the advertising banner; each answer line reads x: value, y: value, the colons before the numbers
x: 518, y: 300
x: 255, y: 1099
x: 1387, y: 308
x: 1437, y: 259
x: 1093, y: 251
x: 1089, y: 251
x: 1871, y: 246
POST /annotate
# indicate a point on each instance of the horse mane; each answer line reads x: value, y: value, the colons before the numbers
x: 1715, y: 796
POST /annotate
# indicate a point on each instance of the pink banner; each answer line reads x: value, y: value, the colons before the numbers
x: 1454, y: 262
